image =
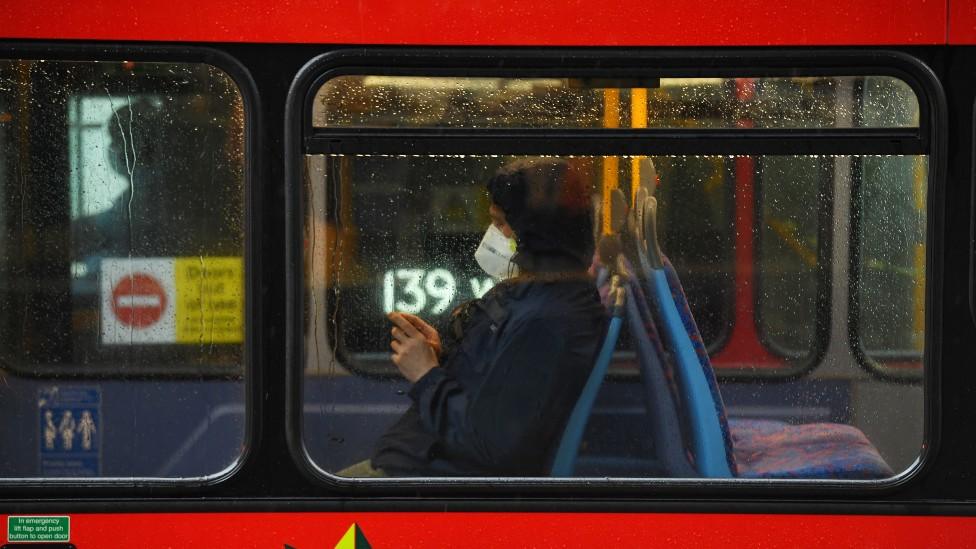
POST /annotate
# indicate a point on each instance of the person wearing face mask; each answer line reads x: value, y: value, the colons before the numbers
x: 497, y: 247
x: 492, y: 395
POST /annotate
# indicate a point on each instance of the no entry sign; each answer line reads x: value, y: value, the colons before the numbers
x: 137, y: 301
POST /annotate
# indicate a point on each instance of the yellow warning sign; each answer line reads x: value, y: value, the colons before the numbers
x: 209, y: 299
x: 353, y: 539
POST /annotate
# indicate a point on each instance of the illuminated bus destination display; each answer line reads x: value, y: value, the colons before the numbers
x: 430, y: 291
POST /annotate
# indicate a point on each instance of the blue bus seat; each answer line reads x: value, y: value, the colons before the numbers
x: 660, y: 390
x: 564, y: 461
x: 746, y: 448
x: 697, y: 378
x: 686, y: 417
x: 629, y: 308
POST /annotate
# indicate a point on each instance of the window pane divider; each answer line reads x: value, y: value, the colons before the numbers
x: 833, y: 141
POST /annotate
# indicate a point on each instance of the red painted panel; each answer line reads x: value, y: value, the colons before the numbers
x: 745, y: 348
x: 485, y: 22
x: 962, y: 22
x: 489, y: 530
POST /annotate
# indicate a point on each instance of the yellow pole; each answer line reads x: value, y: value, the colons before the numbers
x: 918, y: 295
x: 638, y: 119
x: 611, y: 164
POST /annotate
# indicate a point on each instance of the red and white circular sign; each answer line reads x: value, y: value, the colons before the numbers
x: 138, y: 300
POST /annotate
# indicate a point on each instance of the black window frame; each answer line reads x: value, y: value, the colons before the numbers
x: 302, y: 139
x: 864, y: 355
x: 251, y: 368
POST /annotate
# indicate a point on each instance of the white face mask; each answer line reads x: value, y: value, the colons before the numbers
x: 494, y: 254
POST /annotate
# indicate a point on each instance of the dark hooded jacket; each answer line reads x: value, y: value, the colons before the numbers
x: 515, y: 361
x: 513, y: 367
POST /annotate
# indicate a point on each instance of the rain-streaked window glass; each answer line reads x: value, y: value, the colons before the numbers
x: 472, y: 102
x: 891, y: 276
x: 753, y: 289
x: 122, y: 270
x: 890, y: 286
x: 792, y: 194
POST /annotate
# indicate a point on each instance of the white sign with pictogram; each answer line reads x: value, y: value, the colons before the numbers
x: 138, y: 301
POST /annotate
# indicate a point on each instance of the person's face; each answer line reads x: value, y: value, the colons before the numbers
x: 498, y: 220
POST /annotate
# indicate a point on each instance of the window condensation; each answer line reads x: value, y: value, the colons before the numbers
x: 568, y: 103
x: 783, y: 258
x: 891, y: 287
x: 793, y: 191
x: 122, y: 272
x: 398, y: 232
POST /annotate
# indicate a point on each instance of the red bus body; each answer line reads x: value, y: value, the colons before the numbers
x: 503, y: 23
x: 500, y: 23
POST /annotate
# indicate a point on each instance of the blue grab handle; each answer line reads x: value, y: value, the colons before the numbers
x: 707, y: 439
x: 565, y: 462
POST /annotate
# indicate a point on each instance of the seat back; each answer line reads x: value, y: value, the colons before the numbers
x: 661, y: 396
x: 564, y: 461
x: 695, y: 338
x: 700, y: 400
x: 682, y: 395
x: 711, y: 456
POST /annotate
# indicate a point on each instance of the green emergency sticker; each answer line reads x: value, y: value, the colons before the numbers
x: 38, y: 528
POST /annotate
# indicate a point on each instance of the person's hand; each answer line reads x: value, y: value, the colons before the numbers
x: 433, y: 338
x: 413, y: 354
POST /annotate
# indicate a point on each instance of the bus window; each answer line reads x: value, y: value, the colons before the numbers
x: 122, y: 234
x: 890, y: 298
x: 889, y: 303
x: 695, y: 226
x: 412, y: 238
x: 757, y: 239
x: 793, y: 194
x: 355, y: 101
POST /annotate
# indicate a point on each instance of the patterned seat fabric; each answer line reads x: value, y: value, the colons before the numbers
x: 758, y: 448
x: 775, y: 449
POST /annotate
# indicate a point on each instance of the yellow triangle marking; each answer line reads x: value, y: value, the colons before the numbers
x: 353, y: 539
